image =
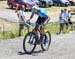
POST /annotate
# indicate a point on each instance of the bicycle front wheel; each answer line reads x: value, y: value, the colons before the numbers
x: 29, y: 43
x: 46, y: 41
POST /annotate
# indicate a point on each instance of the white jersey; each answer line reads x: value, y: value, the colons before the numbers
x: 61, y: 18
x: 65, y: 16
x: 69, y: 15
x: 21, y: 13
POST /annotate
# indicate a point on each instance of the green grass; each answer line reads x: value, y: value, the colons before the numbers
x: 53, y: 28
x: 10, y: 33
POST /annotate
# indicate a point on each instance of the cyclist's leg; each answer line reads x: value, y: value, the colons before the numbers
x: 36, y: 29
x: 38, y: 22
x: 42, y: 30
x: 43, y: 20
x: 43, y: 35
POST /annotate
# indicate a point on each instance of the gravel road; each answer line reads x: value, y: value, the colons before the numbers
x: 62, y: 47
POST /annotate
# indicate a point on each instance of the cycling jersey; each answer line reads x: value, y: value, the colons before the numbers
x: 41, y: 13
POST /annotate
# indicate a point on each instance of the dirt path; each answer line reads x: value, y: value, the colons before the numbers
x: 62, y: 47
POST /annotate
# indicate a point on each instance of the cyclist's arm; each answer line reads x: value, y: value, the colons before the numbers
x: 47, y: 19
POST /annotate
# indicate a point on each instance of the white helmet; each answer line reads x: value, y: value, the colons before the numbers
x: 35, y: 7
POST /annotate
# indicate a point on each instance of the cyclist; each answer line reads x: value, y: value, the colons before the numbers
x: 42, y: 20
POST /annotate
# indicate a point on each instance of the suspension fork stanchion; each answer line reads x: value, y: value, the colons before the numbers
x: 30, y: 38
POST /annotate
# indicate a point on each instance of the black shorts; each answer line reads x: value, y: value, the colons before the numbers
x: 69, y: 20
x: 41, y: 20
x: 61, y: 24
x: 66, y: 23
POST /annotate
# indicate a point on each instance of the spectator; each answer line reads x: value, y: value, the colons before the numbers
x: 61, y: 21
x: 21, y: 16
x: 69, y: 19
x: 65, y: 17
x: 17, y: 8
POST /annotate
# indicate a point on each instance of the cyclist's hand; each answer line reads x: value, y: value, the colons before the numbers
x: 28, y: 21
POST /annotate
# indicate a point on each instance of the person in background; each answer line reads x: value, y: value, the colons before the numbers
x: 17, y: 8
x: 65, y: 17
x: 61, y: 22
x: 22, y: 21
x: 69, y: 19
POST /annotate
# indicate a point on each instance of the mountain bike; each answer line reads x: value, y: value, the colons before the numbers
x: 34, y: 38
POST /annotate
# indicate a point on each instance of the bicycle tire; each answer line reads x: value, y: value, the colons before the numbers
x: 42, y: 45
x: 24, y: 41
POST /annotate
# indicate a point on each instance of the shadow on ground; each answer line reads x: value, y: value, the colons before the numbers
x: 35, y: 53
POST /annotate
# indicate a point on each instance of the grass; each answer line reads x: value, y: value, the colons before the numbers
x: 53, y: 28
x: 8, y: 29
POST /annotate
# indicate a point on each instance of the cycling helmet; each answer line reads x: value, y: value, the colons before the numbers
x: 35, y: 7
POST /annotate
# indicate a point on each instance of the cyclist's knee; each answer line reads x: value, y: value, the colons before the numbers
x: 42, y: 30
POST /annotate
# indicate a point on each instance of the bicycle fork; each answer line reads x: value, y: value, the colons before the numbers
x: 31, y: 39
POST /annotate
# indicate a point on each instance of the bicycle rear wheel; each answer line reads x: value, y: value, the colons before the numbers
x: 29, y: 43
x: 45, y: 46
